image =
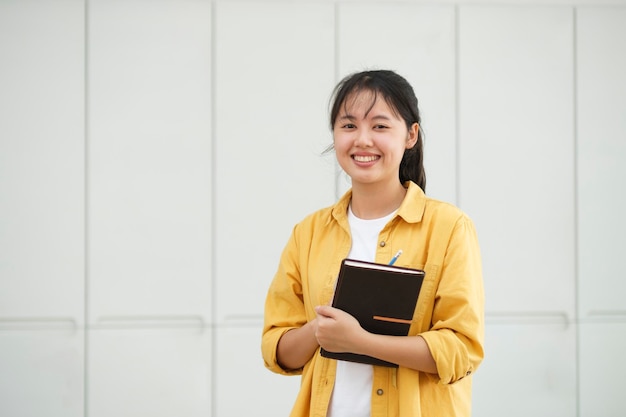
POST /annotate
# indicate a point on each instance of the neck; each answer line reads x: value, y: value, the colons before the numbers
x: 371, y: 201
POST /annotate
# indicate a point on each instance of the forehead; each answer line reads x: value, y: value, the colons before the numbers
x: 363, y: 103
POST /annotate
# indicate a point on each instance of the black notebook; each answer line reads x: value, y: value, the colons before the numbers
x: 381, y: 297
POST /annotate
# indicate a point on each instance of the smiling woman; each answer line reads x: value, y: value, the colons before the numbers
x: 378, y: 143
x: 399, y: 96
x: 370, y: 140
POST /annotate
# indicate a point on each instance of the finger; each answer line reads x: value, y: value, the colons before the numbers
x: 324, y: 311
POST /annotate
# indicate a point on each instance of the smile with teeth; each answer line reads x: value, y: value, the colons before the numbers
x: 365, y: 158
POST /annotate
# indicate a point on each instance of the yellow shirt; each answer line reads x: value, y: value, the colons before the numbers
x: 434, y: 236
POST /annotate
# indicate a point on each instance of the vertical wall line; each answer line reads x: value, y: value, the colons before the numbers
x: 213, y: 220
x: 457, y: 107
x: 338, y: 171
x: 575, y: 198
x: 86, y: 209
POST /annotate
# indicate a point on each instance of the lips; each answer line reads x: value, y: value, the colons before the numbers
x: 365, y: 158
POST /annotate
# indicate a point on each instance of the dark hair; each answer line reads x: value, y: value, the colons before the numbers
x: 400, y: 97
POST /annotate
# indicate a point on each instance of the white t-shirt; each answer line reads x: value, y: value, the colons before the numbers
x: 353, y: 383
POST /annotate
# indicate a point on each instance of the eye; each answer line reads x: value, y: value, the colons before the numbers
x: 380, y: 127
x: 348, y: 126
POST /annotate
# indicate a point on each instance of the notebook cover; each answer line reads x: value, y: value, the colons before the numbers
x: 381, y: 297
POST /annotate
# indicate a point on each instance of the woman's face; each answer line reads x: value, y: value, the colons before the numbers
x: 370, y: 140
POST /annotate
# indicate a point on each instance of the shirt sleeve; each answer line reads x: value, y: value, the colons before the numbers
x: 284, y: 306
x: 456, y: 337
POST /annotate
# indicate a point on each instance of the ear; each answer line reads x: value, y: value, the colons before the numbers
x: 412, y: 135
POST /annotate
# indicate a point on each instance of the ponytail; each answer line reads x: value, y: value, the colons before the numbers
x: 412, y: 164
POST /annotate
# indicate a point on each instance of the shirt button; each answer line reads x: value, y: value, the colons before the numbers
x: 382, y: 243
x: 380, y: 391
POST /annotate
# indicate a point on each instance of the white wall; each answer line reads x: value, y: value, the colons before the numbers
x: 154, y: 156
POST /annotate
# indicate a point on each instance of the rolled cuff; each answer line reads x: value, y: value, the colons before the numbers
x: 269, y: 347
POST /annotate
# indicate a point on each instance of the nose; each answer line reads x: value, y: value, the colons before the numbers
x: 363, y: 138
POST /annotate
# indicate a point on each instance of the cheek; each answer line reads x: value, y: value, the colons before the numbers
x: 394, y: 148
x: 341, y: 143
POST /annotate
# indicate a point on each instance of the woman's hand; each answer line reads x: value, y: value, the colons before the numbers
x: 338, y: 331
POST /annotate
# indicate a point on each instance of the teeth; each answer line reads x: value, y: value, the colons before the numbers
x: 368, y: 158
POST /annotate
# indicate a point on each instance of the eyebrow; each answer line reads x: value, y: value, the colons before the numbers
x: 351, y: 117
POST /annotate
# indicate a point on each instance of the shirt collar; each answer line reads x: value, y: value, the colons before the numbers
x: 414, y: 203
x: 411, y: 209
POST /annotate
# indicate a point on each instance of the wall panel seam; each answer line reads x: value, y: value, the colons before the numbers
x: 213, y: 220
x: 457, y: 107
x: 86, y: 217
x: 575, y: 198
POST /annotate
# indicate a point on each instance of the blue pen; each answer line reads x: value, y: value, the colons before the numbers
x: 395, y: 258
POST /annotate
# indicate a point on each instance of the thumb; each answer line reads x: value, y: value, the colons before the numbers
x: 325, y: 311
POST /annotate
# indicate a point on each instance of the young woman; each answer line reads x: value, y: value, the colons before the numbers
x: 378, y: 142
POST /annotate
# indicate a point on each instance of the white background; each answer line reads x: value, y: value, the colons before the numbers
x: 155, y: 154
